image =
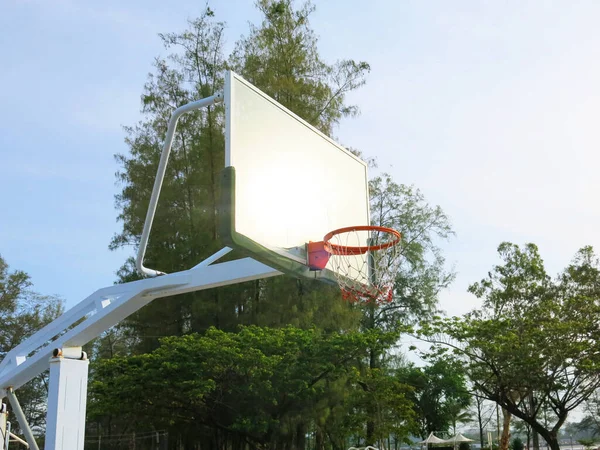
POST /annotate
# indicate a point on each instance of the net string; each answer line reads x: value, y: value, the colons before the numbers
x: 365, y: 277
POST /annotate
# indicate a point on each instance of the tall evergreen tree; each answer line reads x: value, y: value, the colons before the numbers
x: 184, y: 230
x: 422, y: 271
x: 281, y: 57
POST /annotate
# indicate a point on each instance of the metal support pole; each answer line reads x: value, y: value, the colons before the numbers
x: 17, y: 439
x: 100, y: 311
x: 67, y: 398
x: 3, y: 424
x: 14, y: 402
x: 9, y: 435
x: 160, y: 175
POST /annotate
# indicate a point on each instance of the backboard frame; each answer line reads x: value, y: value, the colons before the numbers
x: 293, y: 261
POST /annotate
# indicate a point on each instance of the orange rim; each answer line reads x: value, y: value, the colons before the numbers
x: 336, y: 249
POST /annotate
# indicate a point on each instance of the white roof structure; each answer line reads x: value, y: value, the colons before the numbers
x: 460, y: 438
x: 433, y: 439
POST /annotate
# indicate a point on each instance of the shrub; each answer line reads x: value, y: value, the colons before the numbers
x: 517, y: 444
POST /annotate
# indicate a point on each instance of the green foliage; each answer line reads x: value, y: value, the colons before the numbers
x: 587, y: 443
x: 422, y: 272
x: 590, y: 423
x: 392, y: 413
x: 439, y: 394
x: 467, y: 446
x: 517, y: 444
x: 250, y: 384
x: 22, y: 313
x: 282, y: 59
x: 534, y: 341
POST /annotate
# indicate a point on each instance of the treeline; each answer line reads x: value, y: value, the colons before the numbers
x: 530, y: 349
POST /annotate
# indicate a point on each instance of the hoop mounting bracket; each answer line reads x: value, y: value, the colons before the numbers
x: 317, y: 255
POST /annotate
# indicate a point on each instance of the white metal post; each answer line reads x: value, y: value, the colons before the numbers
x: 9, y: 435
x: 67, y: 397
x: 3, y: 414
x: 14, y: 402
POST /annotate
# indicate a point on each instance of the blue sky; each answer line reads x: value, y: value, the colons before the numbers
x: 490, y: 108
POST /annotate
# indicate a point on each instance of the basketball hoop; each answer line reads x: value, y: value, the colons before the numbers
x: 364, y: 260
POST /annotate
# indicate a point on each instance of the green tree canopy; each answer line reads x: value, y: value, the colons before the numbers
x: 421, y: 271
x: 253, y: 386
x: 535, y: 341
x: 281, y: 58
x: 439, y: 394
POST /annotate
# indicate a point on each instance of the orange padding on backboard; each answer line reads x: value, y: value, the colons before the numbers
x: 317, y: 255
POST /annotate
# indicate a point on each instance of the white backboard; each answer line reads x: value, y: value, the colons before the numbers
x: 292, y: 183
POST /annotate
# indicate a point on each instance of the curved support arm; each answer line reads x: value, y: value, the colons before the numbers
x: 160, y: 175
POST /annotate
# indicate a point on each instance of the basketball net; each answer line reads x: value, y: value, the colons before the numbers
x: 365, y: 263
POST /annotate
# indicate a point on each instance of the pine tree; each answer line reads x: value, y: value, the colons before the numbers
x: 185, y: 229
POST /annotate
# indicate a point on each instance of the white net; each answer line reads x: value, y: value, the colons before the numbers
x: 365, y: 263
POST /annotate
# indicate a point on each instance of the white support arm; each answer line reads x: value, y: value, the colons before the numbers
x: 98, y: 300
x: 17, y: 439
x: 160, y: 175
x: 108, y: 306
x: 4, y: 427
x: 14, y: 402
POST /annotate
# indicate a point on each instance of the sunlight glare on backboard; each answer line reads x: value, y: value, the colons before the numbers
x: 292, y: 183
